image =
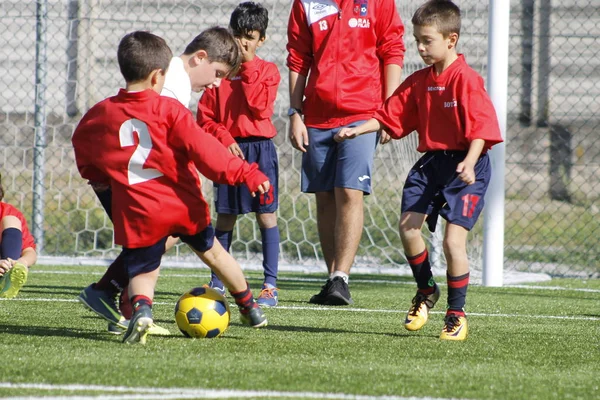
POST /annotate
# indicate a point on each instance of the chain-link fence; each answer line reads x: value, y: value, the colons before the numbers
x: 59, y: 58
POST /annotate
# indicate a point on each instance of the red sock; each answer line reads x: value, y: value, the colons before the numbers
x: 140, y: 300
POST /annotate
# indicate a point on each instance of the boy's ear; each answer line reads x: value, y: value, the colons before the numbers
x: 261, y: 41
x: 155, y: 75
x: 200, y: 55
x: 452, y: 40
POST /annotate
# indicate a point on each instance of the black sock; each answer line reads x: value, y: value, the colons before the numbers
x: 457, y: 292
x: 421, y: 270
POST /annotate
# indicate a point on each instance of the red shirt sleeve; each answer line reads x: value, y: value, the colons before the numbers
x: 390, y: 33
x: 260, y: 87
x: 481, y: 121
x: 208, y: 117
x: 299, y: 47
x: 399, y: 113
x: 210, y: 157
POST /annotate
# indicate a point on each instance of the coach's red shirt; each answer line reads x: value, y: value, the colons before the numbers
x: 243, y: 105
x: 343, y: 46
x: 148, y: 148
x: 448, y: 111
x: 8, y: 209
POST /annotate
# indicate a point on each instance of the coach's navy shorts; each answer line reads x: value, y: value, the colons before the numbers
x: 434, y: 188
x: 147, y: 259
x: 237, y: 199
x: 328, y: 164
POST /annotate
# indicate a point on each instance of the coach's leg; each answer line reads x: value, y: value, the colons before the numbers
x: 326, y: 222
x: 349, y: 222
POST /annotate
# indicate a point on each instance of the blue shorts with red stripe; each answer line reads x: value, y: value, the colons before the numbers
x: 237, y: 200
x: 434, y: 188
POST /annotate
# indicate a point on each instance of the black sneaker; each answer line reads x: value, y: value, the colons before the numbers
x: 139, y: 326
x: 338, y: 293
x: 253, y: 316
x: 320, y: 297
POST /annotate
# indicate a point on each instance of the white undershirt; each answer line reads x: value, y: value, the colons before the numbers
x: 177, y: 83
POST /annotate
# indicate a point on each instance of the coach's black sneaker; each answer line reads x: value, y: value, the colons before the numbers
x: 139, y: 326
x: 320, y: 297
x: 338, y: 293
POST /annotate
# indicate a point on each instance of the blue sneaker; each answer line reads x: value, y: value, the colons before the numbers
x: 220, y: 289
x: 140, y: 324
x: 102, y: 303
x: 268, y: 296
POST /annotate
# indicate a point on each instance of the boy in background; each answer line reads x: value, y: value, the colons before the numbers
x: 206, y: 60
x: 238, y: 113
x: 448, y: 106
x: 148, y: 151
x: 17, y: 249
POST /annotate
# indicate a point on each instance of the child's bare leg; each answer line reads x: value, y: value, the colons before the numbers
x: 143, y: 284
x: 225, y: 266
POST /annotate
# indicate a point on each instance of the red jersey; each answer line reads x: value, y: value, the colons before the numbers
x: 448, y: 111
x: 345, y: 45
x: 10, y: 210
x: 148, y: 148
x: 243, y: 105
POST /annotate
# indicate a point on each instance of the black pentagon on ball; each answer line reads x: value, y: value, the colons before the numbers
x: 220, y: 307
x: 194, y: 316
x: 213, y: 333
x: 199, y: 291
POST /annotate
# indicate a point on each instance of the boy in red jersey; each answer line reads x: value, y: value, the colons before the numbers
x: 238, y: 113
x: 206, y: 60
x: 345, y: 58
x: 17, y: 249
x: 148, y: 148
x: 448, y: 106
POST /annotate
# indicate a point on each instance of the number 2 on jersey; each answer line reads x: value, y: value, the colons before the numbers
x: 136, y: 173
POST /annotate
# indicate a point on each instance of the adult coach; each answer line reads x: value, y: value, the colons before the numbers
x: 352, y: 52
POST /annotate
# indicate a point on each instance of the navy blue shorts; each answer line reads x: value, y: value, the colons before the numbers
x: 146, y: 259
x: 434, y: 188
x: 328, y: 164
x: 237, y: 200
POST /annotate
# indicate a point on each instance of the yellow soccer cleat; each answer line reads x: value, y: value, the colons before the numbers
x: 13, y: 281
x: 455, y: 327
x: 419, y: 311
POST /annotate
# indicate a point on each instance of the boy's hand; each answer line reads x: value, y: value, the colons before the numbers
x: 248, y: 51
x: 262, y: 188
x: 236, y: 151
x: 298, y: 133
x: 466, y: 172
x: 384, y: 137
x: 345, y: 133
x: 5, y: 265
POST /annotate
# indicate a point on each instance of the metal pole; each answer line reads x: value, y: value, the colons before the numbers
x: 497, y: 80
x: 544, y: 64
x: 527, y: 10
x: 72, y: 50
x: 41, y: 68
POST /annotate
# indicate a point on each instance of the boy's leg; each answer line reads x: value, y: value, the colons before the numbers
x: 11, y: 243
x: 269, y: 231
x: 455, y: 250
x: 224, y: 234
x: 229, y: 271
x: 143, y: 268
x: 418, y: 258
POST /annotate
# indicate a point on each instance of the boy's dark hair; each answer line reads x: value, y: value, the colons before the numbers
x: 140, y: 53
x: 443, y: 14
x: 219, y: 45
x: 248, y: 17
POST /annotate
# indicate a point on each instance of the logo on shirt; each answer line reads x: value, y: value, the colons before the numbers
x: 364, y: 177
x: 235, y: 78
x: 363, y: 9
x: 436, y: 88
x: 450, y: 104
x: 359, y: 23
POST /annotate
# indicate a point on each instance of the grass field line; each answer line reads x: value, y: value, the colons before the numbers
x: 347, y: 309
x: 320, y: 279
x: 131, y: 393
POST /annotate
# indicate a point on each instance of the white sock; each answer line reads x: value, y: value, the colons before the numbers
x: 341, y: 274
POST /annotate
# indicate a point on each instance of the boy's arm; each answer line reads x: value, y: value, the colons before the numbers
x: 28, y: 257
x: 212, y: 159
x: 466, y: 169
x: 350, y: 133
x: 207, y: 117
x: 260, y: 88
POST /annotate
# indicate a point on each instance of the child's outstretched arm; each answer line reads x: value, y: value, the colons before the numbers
x: 371, y: 125
x: 466, y: 169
